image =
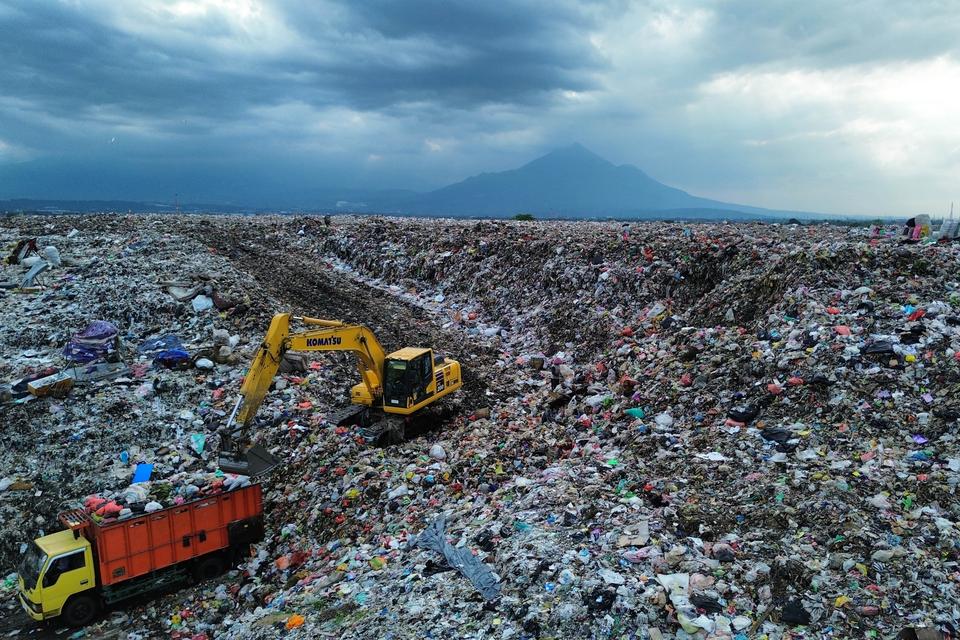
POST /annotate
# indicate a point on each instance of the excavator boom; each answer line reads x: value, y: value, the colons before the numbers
x: 331, y: 336
x: 338, y: 336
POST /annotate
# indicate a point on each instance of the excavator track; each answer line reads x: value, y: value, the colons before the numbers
x: 354, y: 414
x: 383, y: 429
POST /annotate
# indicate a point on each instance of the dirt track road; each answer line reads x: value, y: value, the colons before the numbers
x: 312, y: 288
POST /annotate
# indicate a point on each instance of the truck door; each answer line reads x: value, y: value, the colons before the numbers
x: 66, y: 574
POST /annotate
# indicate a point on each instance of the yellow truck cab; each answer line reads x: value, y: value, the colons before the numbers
x: 55, y: 568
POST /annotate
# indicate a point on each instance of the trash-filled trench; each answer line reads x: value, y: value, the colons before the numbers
x: 666, y: 430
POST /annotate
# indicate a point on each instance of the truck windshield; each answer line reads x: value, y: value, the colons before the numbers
x: 31, y: 564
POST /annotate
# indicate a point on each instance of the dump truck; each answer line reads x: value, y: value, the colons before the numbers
x: 74, y: 573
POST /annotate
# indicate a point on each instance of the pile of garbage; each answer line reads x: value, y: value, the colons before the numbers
x: 146, y: 497
x: 688, y: 430
x: 102, y: 369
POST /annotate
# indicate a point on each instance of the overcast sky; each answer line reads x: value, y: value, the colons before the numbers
x: 821, y: 105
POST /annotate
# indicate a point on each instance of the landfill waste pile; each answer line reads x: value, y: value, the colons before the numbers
x: 145, y: 497
x: 669, y: 430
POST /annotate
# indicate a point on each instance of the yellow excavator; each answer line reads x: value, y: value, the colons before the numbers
x: 394, y: 389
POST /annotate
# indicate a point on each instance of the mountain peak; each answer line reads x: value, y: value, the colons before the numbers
x: 575, y: 156
x: 575, y: 147
x: 575, y: 150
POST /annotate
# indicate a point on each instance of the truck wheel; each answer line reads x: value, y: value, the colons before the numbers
x: 79, y: 611
x: 209, y: 567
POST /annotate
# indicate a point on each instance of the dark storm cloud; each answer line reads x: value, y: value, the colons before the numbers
x: 737, y: 99
x: 468, y: 53
x: 122, y: 86
x: 68, y: 59
x: 69, y: 62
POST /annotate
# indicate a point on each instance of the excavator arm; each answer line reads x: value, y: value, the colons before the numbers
x: 329, y: 335
x: 339, y: 336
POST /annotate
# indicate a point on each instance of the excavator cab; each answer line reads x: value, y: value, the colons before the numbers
x: 407, y: 377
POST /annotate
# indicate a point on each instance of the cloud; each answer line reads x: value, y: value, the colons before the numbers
x: 895, y: 113
x: 860, y: 131
x: 209, y: 78
x: 10, y: 151
x: 790, y: 105
x: 841, y: 108
x: 217, y: 57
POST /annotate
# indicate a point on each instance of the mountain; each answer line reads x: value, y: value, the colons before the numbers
x: 569, y: 182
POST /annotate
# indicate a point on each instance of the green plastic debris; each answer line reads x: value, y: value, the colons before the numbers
x: 636, y: 412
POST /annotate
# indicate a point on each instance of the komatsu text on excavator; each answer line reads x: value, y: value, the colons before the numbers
x: 394, y: 389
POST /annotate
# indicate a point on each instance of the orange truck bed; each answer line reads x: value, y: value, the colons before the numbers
x: 137, y: 546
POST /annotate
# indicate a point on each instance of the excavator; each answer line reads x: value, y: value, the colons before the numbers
x: 395, y: 391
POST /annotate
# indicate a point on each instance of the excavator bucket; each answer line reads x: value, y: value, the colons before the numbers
x: 237, y: 455
x: 255, y: 461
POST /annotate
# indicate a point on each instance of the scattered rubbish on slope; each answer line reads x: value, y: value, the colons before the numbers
x: 688, y: 430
